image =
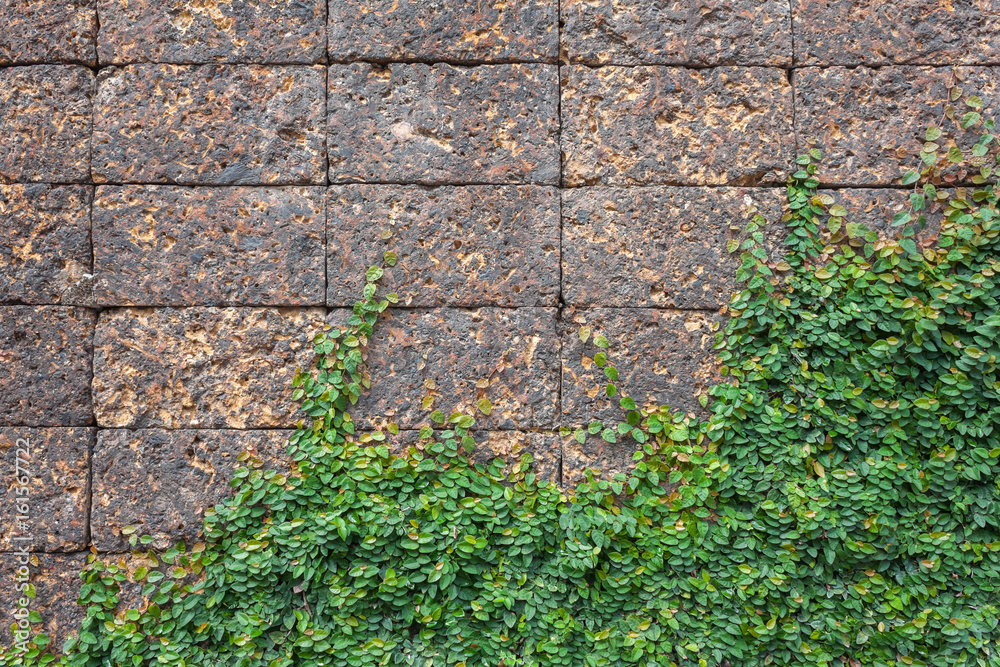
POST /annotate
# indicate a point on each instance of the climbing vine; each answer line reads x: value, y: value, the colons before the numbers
x: 837, y: 504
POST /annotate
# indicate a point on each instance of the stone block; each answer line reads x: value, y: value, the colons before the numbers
x: 45, y: 250
x: 922, y: 32
x: 477, y: 245
x: 161, y: 482
x: 457, y: 30
x: 442, y: 353
x: 440, y: 124
x: 45, y: 123
x: 182, y: 31
x: 663, y: 247
x: 56, y: 581
x: 210, y: 124
x: 676, y: 126
x: 680, y: 32
x: 45, y: 365
x: 40, y: 31
x: 870, y: 123
x: 510, y: 446
x: 201, y: 367
x: 179, y: 246
x: 55, y: 463
x: 663, y: 357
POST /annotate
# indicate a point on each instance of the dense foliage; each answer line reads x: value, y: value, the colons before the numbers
x: 840, y: 506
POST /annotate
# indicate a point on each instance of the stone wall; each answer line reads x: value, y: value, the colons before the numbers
x: 189, y: 190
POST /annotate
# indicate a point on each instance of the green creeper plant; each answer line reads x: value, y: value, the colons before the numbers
x: 838, y: 505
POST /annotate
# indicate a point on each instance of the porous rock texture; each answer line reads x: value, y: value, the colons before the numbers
x: 215, y: 124
x: 919, y: 32
x: 56, y: 463
x: 439, y: 30
x: 456, y: 246
x: 438, y: 124
x: 45, y: 250
x: 181, y: 31
x: 190, y: 190
x: 639, y: 32
x: 440, y: 354
x: 200, y: 367
x: 177, y: 246
x: 45, y: 365
x: 160, y: 482
x: 41, y: 31
x: 676, y: 126
x: 45, y: 123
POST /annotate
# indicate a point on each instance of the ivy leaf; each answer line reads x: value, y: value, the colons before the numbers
x: 910, y: 177
x: 484, y: 406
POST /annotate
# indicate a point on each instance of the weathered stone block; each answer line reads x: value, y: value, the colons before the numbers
x: 45, y: 365
x: 675, y: 126
x: 607, y: 458
x: 926, y: 32
x: 658, y: 246
x: 163, y: 481
x: 461, y: 246
x: 681, y: 32
x: 44, y: 243
x: 210, y: 124
x: 182, y: 31
x: 45, y: 123
x: 662, y: 357
x: 40, y: 31
x: 544, y: 448
x: 55, y: 462
x: 56, y: 578
x: 443, y: 352
x: 204, y: 367
x: 439, y: 124
x: 492, y: 31
x: 861, y: 117
x: 177, y: 246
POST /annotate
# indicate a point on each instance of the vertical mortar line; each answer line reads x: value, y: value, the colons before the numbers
x: 326, y: 179
x: 559, y: 189
x: 790, y: 74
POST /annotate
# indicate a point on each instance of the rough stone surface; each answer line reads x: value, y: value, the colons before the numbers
x: 662, y: 356
x: 201, y: 367
x: 443, y: 352
x: 607, y: 458
x: 459, y: 246
x: 194, y: 31
x: 675, y: 126
x: 544, y: 448
x: 179, y: 246
x: 923, y: 32
x: 456, y: 30
x: 163, y: 481
x: 55, y: 461
x: 437, y: 124
x: 45, y: 370
x: 861, y: 117
x: 209, y: 124
x: 56, y: 578
x: 42, y: 31
x: 45, y: 123
x: 678, y: 32
x: 44, y: 243
x: 658, y: 246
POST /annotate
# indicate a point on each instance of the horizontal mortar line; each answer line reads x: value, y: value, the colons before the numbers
x: 48, y: 553
x: 3, y: 426
x: 458, y: 62
x: 360, y: 430
x: 463, y: 308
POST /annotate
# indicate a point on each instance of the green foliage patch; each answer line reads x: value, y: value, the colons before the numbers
x: 839, y: 506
